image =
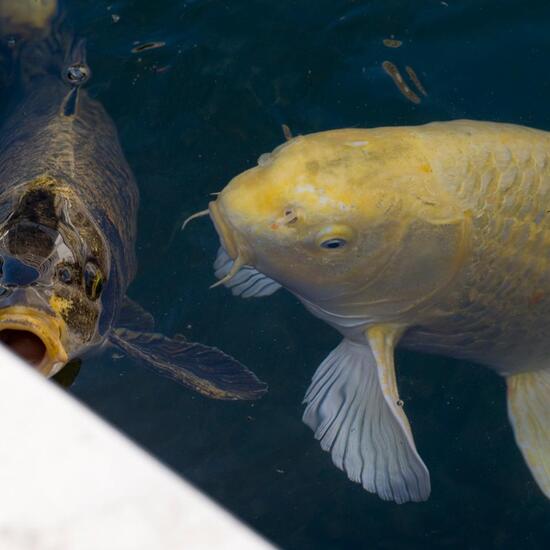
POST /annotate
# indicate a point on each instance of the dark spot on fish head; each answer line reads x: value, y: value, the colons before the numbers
x: 38, y: 205
x: 27, y: 238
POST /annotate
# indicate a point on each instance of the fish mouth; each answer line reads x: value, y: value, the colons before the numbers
x: 237, y: 251
x: 223, y: 229
x: 35, y: 337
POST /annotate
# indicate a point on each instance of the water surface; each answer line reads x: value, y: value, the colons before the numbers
x: 202, y: 108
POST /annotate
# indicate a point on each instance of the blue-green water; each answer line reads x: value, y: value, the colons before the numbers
x: 199, y: 110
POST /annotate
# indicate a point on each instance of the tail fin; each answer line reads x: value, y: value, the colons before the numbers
x: 529, y: 412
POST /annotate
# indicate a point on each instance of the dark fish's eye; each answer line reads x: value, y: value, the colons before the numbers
x: 332, y: 244
x: 64, y: 275
x: 93, y: 281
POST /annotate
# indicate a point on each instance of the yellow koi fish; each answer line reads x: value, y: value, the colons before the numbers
x: 435, y: 238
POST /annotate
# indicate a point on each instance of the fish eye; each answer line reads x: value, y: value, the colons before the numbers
x: 93, y: 281
x: 335, y: 236
x: 64, y: 275
x: 332, y: 244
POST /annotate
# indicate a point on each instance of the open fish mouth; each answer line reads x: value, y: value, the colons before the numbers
x: 34, y: 336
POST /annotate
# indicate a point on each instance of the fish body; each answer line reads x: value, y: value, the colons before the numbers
x: 434, y: 237
x: 68, y: 218
x: 62, y: 167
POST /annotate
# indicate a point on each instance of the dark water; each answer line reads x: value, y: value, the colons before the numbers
x: 197, y: 111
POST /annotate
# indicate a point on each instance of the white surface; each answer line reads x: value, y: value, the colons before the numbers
x: 68, y: 481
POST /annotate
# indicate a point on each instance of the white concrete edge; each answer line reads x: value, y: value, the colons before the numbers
x: 69, y: 481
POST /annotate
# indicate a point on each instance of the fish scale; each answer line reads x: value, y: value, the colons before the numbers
x: 505, y: 195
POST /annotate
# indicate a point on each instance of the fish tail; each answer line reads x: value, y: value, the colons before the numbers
x: 529, y: 413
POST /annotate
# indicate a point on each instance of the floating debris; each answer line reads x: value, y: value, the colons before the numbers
x: 415, y: 80
x: 286, y: 132
x: 162, y: 69
x: 393, y: 71
x: 148, y: 46
x: 392, y: 43
x: 115, y: 17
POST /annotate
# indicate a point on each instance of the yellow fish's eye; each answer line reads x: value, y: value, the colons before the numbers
x: 335, y: 237
x: 93, y: 281
x: 331, y: 244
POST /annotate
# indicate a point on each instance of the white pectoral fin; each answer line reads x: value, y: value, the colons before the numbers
x: 359, y: 421
x: 529, y: 413
x: 248, y: 282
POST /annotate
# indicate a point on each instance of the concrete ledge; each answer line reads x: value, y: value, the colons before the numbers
x: 69, y: 481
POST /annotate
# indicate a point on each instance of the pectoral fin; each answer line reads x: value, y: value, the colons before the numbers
x: 247, y: 282
x: 356, y: 417
x: 529, y: 413
x: 133, y: 317
x: 204, y: 369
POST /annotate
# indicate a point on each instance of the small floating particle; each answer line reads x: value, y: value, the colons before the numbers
x: 148, y: 46
x: 115, y: 17
x: 444, y: 4
x: 279, y: 471
x: 392, y: 43
x: 163, y: 69
x: 392, y: 71
x: 286, y: 132
x: 415, y: 80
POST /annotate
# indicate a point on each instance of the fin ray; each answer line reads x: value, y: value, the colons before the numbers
x: 247, y: 282
x: 529, y: 413
x: 204, y: 369
x: 132, y: 316
x: 349, y: 414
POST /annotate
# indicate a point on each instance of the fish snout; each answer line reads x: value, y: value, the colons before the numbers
x: 35, y: 336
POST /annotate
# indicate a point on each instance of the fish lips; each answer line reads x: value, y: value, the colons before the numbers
x: 35, y: 336
x: 223, y: 229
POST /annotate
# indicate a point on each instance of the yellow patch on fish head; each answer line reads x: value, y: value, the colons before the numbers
x: 60, y: 305
x: 348, y: 213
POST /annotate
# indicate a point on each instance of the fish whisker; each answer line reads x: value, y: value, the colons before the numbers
x: 239, y: 262
x: 194, y: 216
